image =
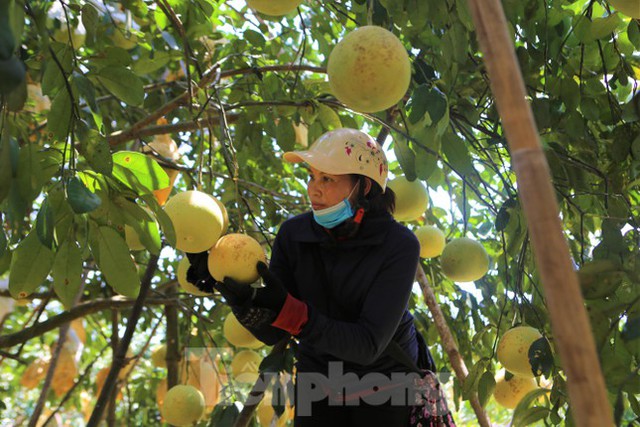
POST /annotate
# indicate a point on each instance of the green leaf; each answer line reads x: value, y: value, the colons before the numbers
x: 59, y: 117
x: 143, y: 224
x: 457, y: 153
x: 54, y: 77
x: 90, y: 20
x: 30, y: 173
x: 95, y: 148
x: 6, y: 168
x: 45, y: 224
x: 30, y: 266
x: 418, y: 103
x: 254, y: 38
x: 114, y: 260
x: 139, y: 172
x: 85, y: 90
x: 67, y: 272
x: 633, y: 32
x: 3, y: 243
x: 163, y: 219
x: 81, y: 199
x: 529, y: 416
x: 486, y: 385
x: 406, y: 157
x: 285, y: 135
x: 328, y: 117
x: 631, y: 329
x: 123, y: 84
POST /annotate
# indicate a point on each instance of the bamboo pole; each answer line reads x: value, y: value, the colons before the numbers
x: 569, y: 321
x: 449, y: 344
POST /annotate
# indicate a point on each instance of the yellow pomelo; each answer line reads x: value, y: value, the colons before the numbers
x: 238, y: 335
x: 159, y: 356
x: 245, y: 366
x: 274, y: 7
x: 628, y: 7
x: 369, y: 69
x: 183, y: 405
x: 225, y: 215
x: 509, y: 392
x: 236, y: 255
x: 464, y: 260
x: 265, y: 412
x: 513, y: 349
x: 411, y: 198
x: 197, y: 220
x: 432, y: 241
x: 187, y: 286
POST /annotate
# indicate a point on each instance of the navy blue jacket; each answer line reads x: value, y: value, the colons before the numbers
x: 359, y: 303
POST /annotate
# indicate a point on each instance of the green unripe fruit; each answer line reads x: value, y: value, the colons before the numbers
x: 464, y: 260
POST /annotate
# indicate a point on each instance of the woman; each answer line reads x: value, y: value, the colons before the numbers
x: 339, y: 280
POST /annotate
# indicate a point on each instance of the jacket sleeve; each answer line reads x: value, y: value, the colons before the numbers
x: 278, y: 265
x: 364, y: 341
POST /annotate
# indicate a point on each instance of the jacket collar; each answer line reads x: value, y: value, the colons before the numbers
x: 373, y: 231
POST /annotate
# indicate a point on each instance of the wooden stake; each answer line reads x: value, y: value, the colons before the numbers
x: 569, y: 321
x: 449, y: 344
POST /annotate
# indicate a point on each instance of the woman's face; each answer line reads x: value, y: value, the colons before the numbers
x: 326, y: 190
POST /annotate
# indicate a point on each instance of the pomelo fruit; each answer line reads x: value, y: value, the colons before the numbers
x: 513, y: 349
x: 183, y: 405
x: 411, y: 198
x: 238, y: 335
x: 464, y: 260
x: 197, y: 220
x: 187, y: 286
x: 369, y: 69
x: 432, y: 241
x: 235, y: 255
x: 274, y: 7
x: 245, y: 366
x: 509, y: 392
x: 159, y: 356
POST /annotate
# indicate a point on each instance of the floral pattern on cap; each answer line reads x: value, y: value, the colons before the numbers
x: 367, y: 154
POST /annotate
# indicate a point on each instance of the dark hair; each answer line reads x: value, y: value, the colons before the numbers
x: 376, y: 200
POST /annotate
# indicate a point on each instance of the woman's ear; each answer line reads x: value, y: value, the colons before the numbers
x: 367, y: 185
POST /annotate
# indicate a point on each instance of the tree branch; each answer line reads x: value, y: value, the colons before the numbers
x: 74, y: 313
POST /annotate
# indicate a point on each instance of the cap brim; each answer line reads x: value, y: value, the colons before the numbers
x: 318, y: 161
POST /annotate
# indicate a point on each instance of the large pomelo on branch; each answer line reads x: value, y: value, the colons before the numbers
x: 509, y: 392
x: 274, y: 7
x: 411, y: 198
x: 235, y: 255
x: 197, y: 220
x: 245, y: 366
x: 513, y: 350
x: 432, y: 241
x: 464, y: 260
x: 238, y: 335
x: 183, y: 405
x: 369, y: 69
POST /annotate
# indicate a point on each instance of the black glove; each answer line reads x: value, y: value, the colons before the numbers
x: 198, y: 272
x: 273, y: 294
x: 254, y: 307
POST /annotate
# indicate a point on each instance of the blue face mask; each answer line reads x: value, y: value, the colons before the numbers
x: 335, y: 215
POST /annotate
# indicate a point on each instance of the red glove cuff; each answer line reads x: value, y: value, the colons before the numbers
x: 293, y: 316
